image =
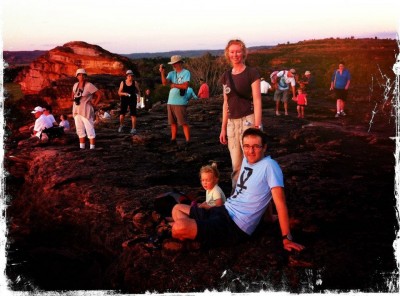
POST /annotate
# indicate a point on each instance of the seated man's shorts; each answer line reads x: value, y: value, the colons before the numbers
x: 215, y: 227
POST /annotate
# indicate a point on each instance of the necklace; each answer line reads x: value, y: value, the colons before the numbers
x: 237, y: 71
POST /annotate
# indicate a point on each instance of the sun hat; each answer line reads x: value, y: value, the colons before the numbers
x: 80, y: 71
x: 307, y: 73
x: 37, y: 109
x: 129, y: 72
x: 175, y: 59
x: 293, y: 71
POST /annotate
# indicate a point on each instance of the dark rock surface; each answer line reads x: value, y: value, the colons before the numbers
x: 85, y: 220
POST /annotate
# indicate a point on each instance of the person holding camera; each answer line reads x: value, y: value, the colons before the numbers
x: 128, y: 92
x: 85, y: 95
x: 178, y: 79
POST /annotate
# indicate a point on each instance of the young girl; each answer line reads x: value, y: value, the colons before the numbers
x: 209, y: 176
x: 301, y: 103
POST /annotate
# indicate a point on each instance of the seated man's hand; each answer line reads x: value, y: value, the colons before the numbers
x: 289, y: 245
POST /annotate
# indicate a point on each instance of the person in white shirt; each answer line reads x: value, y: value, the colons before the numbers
x: 265, y: 86
x: 285, y: 82
x: 41, y: 122
x: 47, y: 113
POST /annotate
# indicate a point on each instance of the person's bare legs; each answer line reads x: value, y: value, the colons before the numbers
x: 277, y: 107
x: 183, y: 227
x: 186, y: 132
x: 285, y: 105
x: 180, y: 211
x: 133, y: 119
x: 173, y: 131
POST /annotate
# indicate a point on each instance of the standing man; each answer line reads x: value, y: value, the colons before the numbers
x: 285, y: 79
x: 204, y: 91
x: 178, y: 80
x: 129, y: 93
x: 340, y: 84
x: 260, y: 181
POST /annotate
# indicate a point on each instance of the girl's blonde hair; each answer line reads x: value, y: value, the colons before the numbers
x: 236, y: 42
x: 210, y: 169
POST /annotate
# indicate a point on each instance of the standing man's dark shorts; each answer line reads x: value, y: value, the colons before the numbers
x: 341, y: 94
x: 215, y: 227
x: 177, y: 114
x: 130, y: 102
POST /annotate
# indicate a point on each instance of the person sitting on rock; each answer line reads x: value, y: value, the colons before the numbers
x: 41, y: 123
x: 209, y: 176
x: 148, y: 102
x: 64, y: 122
x: 47, y: 111
x: 260, y: 181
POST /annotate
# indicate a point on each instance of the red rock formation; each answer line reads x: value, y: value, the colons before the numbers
x: 62, y: 62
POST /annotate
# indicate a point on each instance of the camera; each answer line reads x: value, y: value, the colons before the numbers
x: 182, y: 92
x: 162, y: 66
x: 77, y: 100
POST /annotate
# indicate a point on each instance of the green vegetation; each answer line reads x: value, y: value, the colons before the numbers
x: 12, y: 91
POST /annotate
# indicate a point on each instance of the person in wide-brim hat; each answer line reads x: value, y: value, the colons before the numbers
x: 178, y: 80
x: 176, y: 59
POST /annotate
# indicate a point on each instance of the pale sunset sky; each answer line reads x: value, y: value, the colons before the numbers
x: 125, y: 26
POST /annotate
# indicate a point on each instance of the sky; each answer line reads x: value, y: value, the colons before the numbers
x: 128, y: 26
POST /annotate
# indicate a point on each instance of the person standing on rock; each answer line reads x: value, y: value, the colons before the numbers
x: 285, y: 80
x: 85, y: 95
x: 242, y: 107
x: 129, y: 93
x: 340, y: 83
x: 178, y: 80
x: 260, y: 182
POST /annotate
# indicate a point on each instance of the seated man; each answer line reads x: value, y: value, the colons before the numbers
x: 37, y: 134
x: 260, y: 180
x: 42, y: 122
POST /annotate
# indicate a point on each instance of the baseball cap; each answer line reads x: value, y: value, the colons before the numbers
x: 37, y: 109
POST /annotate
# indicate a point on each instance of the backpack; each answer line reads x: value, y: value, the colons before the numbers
x: 275, y: 80
x: 274, y: 77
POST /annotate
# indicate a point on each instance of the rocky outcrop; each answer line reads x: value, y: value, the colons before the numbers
x: 84, y: 220
x: 63, y: 61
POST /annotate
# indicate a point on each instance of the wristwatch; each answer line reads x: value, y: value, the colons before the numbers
x: 287, y: 236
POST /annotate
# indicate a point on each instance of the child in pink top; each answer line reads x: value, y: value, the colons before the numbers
x: 301, y: 103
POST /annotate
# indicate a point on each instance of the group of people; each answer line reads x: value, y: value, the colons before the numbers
x: 44, y: 122
x: 285, y: 81
x: 257, y: 180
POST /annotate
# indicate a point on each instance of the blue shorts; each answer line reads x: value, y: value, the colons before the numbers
x: 215, y: 227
